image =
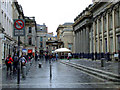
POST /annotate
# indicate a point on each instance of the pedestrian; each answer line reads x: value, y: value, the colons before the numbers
x: 56, y: 56
x: 46, y: 57
x: 23, y: 66
x: 69, y: 56
x: 15, y: 62
x: 36, y: 57
x: 23, y: 62
x: 8, y: 62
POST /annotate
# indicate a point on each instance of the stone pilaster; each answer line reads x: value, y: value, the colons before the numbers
x: 114, y: 35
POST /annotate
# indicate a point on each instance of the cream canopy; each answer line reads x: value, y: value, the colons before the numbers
x: 62, y: 50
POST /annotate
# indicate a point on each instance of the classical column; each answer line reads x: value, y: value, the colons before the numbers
x: 87, y: 40
x: 78, y: 41
x: 108, y: 38
x: 98, y: 37
x: 103, y: 46
x: 94, y: 36
x: 81, y: 40
x: 114, y: 35
x: 75, y: 41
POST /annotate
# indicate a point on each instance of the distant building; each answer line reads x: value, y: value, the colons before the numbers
x: 66, y: 35
x: 41, y: 38
x: 30, y: 36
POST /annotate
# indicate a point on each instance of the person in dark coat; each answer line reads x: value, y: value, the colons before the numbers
x: 9, y: 61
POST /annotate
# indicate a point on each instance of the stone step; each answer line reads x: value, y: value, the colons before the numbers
x: 97, y: 70
x: 93, y: 72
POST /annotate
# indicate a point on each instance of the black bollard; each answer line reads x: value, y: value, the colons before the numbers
x: 40, y: 65
x: 102, y: 62
x: 18, y: 77
x: 50, y: 69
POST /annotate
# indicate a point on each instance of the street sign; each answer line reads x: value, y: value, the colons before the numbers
x: 19, y: 27
x: 24, y: 50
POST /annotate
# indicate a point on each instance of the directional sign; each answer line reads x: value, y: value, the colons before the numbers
x: 19, y: 27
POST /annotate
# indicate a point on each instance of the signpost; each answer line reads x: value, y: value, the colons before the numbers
x: 19, y: 27
x: 19, y: 30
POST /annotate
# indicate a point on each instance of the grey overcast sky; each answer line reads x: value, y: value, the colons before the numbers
x: 53, y: 12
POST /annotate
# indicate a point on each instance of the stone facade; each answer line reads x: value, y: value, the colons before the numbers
x: 7, y: 41
x: 100, y: 32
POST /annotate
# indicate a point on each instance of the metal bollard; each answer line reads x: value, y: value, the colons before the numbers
x: 102, y: 62
x: 24, y: 72
x: 38, y: 59
x: 50, y: 70
x: 40, y: 65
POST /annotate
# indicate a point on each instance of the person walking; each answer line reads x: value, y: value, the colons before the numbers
x: 23, y: 66
x: 56, y: 56
x: 69, y: 56
x: 23, y: 61
x: 36, y: 57
x: 15, y: 63
x: 9, y: 61
x: 46, y: 57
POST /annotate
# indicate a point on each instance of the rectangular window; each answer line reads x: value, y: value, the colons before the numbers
x: 100, y: 26
x: 95, y: 28
x: 30, y: 41
x: 30, y: 30
x: 111, y: 44
x: 117, y: 18
x: 41, y: 44
x: 118, y: 42
x: 110, y: 22
x: 41, y: 39
x: 105, y: 25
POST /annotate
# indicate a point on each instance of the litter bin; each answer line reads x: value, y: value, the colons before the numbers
x: 102, y: 62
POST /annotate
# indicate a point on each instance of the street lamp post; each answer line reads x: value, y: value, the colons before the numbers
x: 18, y: 77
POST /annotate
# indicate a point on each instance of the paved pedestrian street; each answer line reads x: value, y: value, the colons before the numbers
x: 63, y: 76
